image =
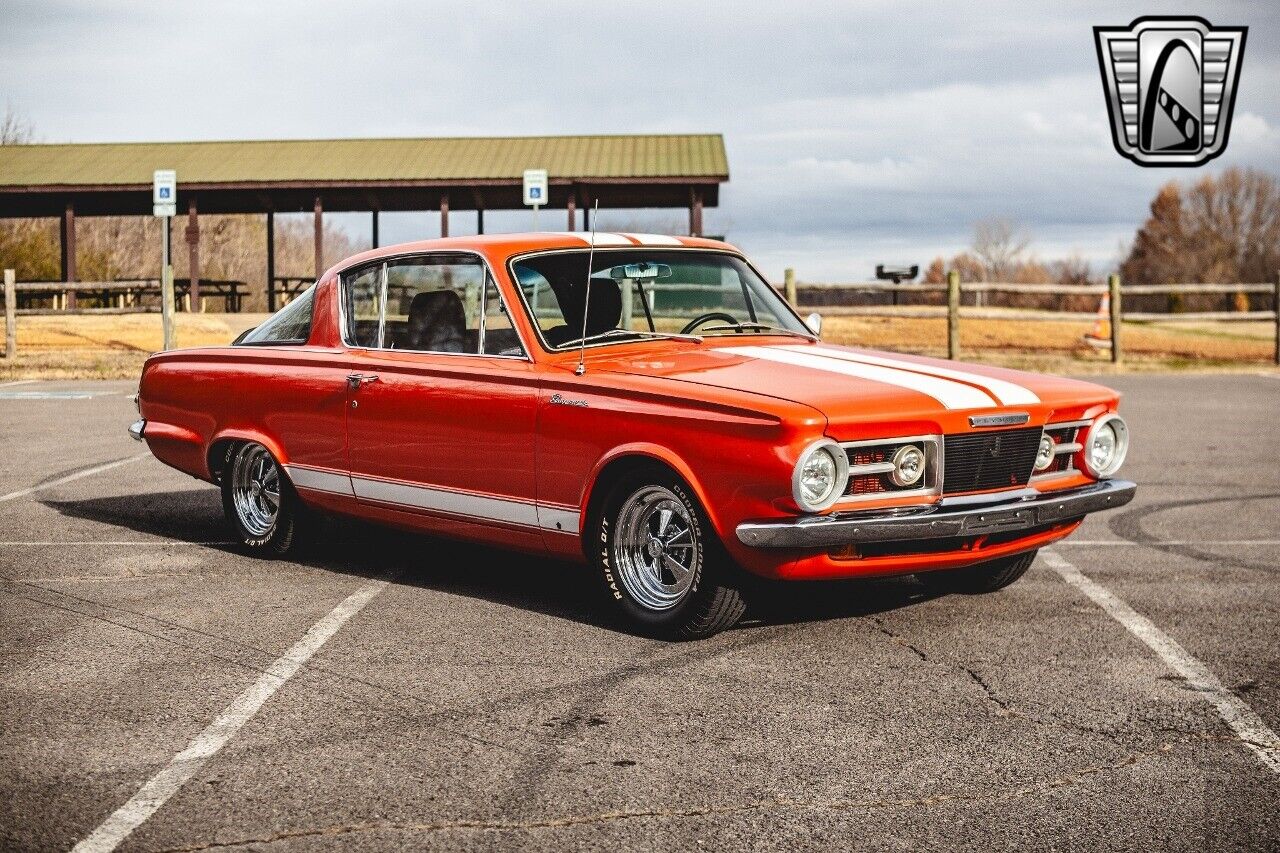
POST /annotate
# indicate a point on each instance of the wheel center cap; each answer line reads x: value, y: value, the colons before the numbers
x: 654, y: 548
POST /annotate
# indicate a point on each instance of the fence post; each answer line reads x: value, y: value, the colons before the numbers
x: 953, y: 315
x: 789, y: 286
x: 1275, y: 304
x: 11, y: 316
x: 1113, y: 295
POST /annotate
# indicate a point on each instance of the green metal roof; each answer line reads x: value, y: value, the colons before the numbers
x: 693, y: 156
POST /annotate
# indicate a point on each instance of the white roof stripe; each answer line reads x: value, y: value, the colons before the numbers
x: 603, y: 238
x: 952, y: 395
x: 654, y: 239
x: 1005, y: 393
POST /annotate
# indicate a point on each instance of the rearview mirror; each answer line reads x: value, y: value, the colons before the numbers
x: 641, y: 270
x: 814, y: 322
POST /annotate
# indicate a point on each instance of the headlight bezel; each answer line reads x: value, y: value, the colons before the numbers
x: 1121, y: 430
x: 841, y: 460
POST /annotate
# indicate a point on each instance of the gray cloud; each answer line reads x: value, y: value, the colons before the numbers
x: 857, y: 132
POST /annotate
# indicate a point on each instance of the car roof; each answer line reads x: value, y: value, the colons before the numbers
x: 498, y: 247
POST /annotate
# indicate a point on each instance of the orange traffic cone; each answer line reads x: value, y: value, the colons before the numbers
x: 1100, y: 335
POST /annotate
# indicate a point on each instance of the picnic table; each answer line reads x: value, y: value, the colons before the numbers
x: 125, y: 294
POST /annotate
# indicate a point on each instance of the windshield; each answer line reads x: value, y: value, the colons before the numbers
x: 639, y: 292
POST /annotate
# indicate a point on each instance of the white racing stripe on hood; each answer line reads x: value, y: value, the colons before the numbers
x: 952, y: 395
x: 1006, y: 393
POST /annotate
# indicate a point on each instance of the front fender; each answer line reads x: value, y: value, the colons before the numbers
x: 651, y: 451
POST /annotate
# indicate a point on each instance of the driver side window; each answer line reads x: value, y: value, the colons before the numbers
x: 435, y: 303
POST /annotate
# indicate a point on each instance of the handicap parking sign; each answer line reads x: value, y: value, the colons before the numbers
x: 535, y: 186
x: 165, y: 192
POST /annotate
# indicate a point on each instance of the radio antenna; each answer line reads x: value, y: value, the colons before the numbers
x: 586, y: 298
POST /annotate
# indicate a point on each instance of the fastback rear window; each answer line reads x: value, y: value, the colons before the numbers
x: 290, y: 325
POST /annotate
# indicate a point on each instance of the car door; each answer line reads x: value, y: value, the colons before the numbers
x: 442, y: 400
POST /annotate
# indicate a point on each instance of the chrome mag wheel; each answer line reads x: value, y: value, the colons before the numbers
x: 255, y: 489
x: 654, y: 549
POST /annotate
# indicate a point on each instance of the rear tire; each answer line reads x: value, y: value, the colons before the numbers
x: 259, y: 501
x: 658, y: 562
x: 979, y: 579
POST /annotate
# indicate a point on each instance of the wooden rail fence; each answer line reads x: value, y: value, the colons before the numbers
x: 953, y: 290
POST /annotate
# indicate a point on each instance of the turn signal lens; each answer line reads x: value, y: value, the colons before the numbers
x: 908, y: 465
x: 1044, y: 456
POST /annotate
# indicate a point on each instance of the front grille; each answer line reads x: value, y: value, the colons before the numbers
x: 989, y: 460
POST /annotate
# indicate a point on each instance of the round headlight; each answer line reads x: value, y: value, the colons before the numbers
x: 820, y: 475
x: 1105, y: 446
x: 908, y: 465
x: 1044, y: 456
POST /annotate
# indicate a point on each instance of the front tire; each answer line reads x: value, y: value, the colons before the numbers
x: 979, y: 579
x: 259, y: 501
x: 658, y: 562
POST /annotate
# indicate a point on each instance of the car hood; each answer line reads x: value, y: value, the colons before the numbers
x: 852, y: 386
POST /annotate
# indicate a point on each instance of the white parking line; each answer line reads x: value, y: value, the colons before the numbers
x: 41, y: 543
x: 1242, y: 719
x: 1158, y: 542
x: 88, y: 472
x: 16, y: 382
x: 160, y: 787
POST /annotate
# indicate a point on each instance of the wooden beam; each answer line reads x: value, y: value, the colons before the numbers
x: 68, y: 235
x: 573, y: 213
x: 271, y: 262
x: 695, y: 212
x: 444, y: 215
x: 319, y: 237
x: 374, y: 238
x: 193, y: 253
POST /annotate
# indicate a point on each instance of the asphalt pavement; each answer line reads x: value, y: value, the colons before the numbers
x: 160, y: 691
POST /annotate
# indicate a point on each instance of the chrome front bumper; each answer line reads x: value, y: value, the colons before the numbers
x: 938, y: 521
x: 136, y: 428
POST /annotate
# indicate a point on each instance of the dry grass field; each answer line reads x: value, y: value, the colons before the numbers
x: 114, y: 347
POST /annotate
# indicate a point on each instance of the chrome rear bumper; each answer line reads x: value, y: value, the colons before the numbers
x: 136, y: 428
x: 937, y: 521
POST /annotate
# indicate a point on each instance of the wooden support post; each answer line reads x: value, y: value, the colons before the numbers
x: 573, y: 212
x: 695, y: 212
x: 789, y: 286
x: 953, y: 315
x: 271, y: 262
x: 319, y: 238
x: 374, y: 237
x: 193, y: 252
x: 444, y: 215
x: 586, y: 216
x: 69, y: 253
x: 11, y: 316
x: 1275, y: 305
x: 1113, y: 291
x: 479, y: 220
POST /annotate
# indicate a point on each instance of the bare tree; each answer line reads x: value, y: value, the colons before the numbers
x: 14, y: 129
x: 999, y: 244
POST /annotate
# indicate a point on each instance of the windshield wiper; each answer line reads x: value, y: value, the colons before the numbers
x: 613, y: 333
x: 760, y: 327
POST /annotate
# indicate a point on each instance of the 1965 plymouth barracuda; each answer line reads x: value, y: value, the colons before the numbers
x: 666, y: 418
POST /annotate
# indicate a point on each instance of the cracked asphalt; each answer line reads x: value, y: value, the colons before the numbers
x: 476, y: 701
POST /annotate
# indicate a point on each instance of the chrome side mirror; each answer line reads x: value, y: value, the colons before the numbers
x: 814, y: 322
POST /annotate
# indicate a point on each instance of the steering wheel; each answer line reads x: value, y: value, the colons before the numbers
x: 712, y: 315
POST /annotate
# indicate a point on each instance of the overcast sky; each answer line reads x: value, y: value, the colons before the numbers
x: 856, y: 132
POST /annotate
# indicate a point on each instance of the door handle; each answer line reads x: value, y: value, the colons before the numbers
x: 355, y: 380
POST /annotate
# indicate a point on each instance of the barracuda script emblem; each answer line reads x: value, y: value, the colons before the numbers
x: 1171, y: 86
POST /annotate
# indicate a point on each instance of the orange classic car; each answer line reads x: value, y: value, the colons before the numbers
x: 644, y: 403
